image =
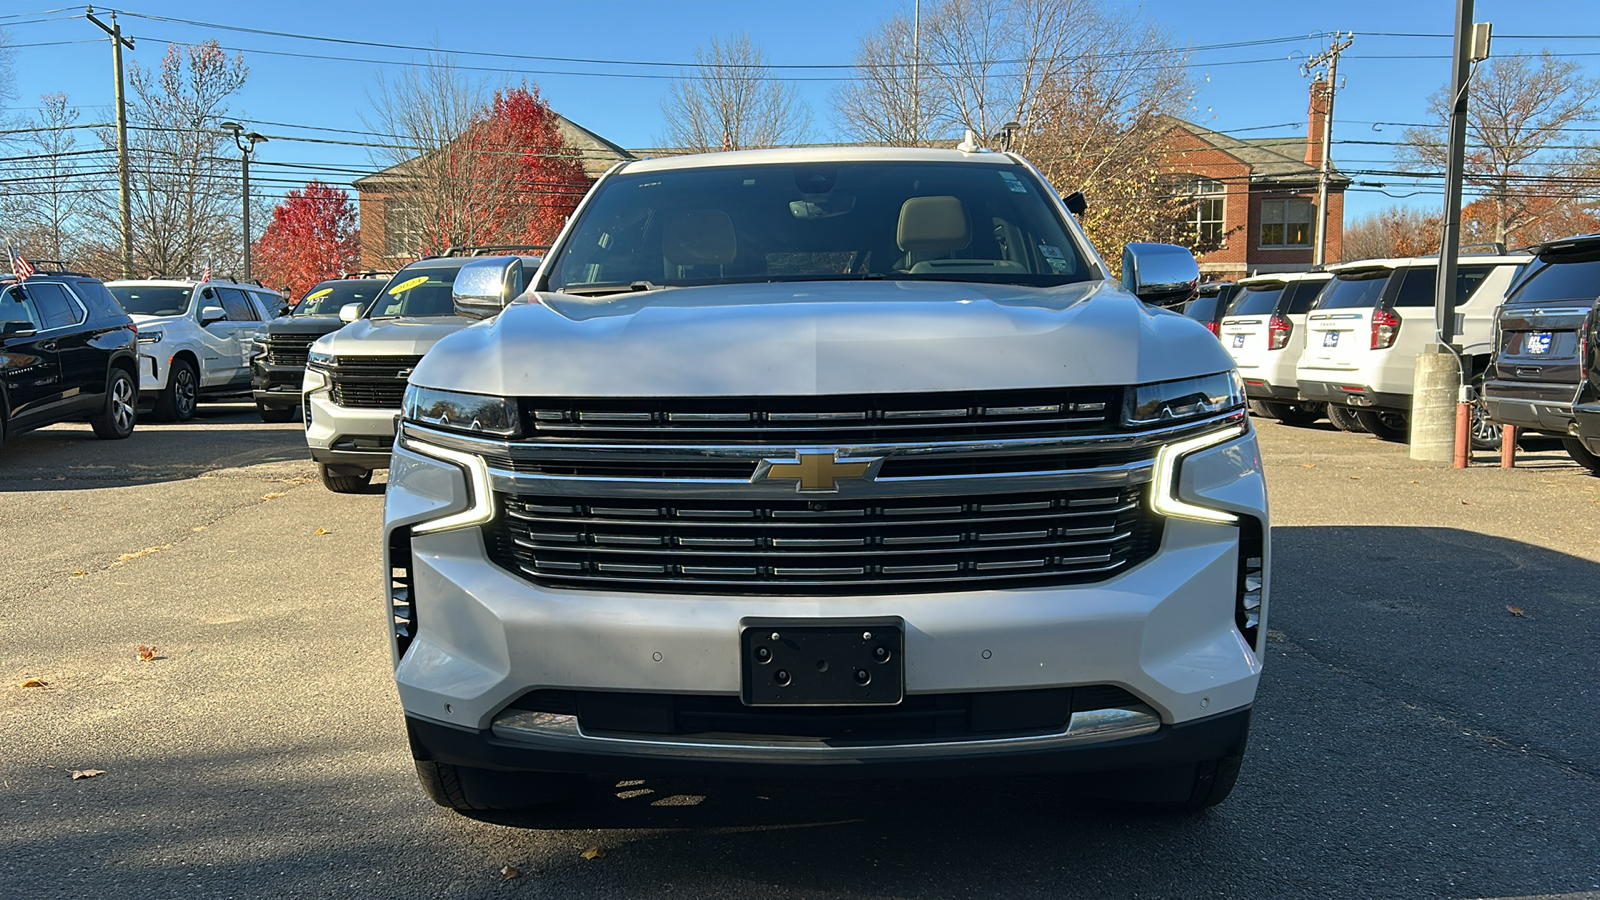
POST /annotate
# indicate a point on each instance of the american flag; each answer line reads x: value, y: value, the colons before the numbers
x: 205, y: 274
x: 19, y: 265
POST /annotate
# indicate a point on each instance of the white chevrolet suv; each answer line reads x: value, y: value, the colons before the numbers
x: 1376, y: 316
x: 823, y: 462
x: 195, y: 338
x: 1265, y: 332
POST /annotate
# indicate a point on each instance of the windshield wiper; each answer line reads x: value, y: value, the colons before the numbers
x: 595, y: 290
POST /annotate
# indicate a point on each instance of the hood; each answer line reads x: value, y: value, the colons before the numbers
x: 822, y: 338
x: 317, y: 325
x: 390, y: 337
x: 147, y: 322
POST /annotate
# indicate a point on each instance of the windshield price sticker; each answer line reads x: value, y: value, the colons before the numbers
x: 407, y: 285
x: 319, y: 294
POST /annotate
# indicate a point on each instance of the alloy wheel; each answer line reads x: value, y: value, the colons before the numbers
x: 122, y: 404
x: 185, y: 392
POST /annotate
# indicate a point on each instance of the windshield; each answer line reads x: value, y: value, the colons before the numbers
x: 1358, y: 290
x: 328, y: 297
x: 418, y: 291
x: 1257, y: 299
x: 818, y: 221
x: 152, y: 300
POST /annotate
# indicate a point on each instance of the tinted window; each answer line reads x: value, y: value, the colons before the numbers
x: 1418, y: 287
x: 1357, y: 290
x: 327, y: 298
x: 146, y: 300
x: 96, y: 295
x: 422, y: 291
x: 1257, y: 299
x: 268, y: 303
x: 16, y: 307
x: 1561, y: 282
x: 55, y: 307
x: 819, y: 221
x: 1203, y: 308
x: 1302, y: 294
x: 237, y: 305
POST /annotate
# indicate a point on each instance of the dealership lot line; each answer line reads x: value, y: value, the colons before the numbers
x: 1413, y: 736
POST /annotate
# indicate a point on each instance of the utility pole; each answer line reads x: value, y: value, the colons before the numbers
x: 916, y: 71
x: 246, y: 142
x: 1331, y: 58
x: 124, y: 201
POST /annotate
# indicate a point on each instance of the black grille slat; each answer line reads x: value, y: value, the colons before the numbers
x: 837, y: 419
x: 289, y: 349
x: 693, y: 545
x: 371, y: 382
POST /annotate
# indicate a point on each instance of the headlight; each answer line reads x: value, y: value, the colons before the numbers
x: 473, y: 413
x: 150, y: 337
x: 1165, y: 402
x: 319, y: 358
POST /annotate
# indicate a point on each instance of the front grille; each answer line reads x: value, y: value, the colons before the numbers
x: 402, y: 609
x: 371, y: 382
x: 820, y: 547
x: 834, y: 419
x: 920, y: 717
x: 289, y: 349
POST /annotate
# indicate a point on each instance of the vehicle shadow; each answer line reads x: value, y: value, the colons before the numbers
x: 70, y: 457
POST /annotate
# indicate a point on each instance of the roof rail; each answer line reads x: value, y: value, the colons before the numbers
x: 495, y: 249
x: 1498, y: 248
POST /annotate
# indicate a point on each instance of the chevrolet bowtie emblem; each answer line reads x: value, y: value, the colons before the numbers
x: 816, y: 470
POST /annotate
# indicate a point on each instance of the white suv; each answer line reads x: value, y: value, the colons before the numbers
x: 194, y: 338
x: 850, y: 461
x: 1265, y: 332
x: 1374, y: 318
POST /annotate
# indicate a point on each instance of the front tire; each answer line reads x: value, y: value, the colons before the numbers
x: 1581, y: 455
x: 121, y: 411
x: 177, y: 402
x: 276, y: 413
x: 465, y: 789
x: 1385, y: 425
x: 1344, y: 419
x: 344, y: 484
x: 1299, y: 414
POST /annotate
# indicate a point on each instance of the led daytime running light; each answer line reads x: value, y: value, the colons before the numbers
x: 1164, y: 489
x: 480, y: 506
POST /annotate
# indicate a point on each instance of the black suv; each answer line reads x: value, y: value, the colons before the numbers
x: 67, y: 353
x: 1211, y: 304
x: 1544, y: 342
x: 278, y: 364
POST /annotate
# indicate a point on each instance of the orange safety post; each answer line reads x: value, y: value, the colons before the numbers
x: 1508, y: 446
x: 1463, y: 430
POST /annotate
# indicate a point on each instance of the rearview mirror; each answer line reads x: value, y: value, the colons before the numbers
x: 349, y: 312
x: 1160, y: 274
x: 483, y: 287
x: 211, y: 314
x: 16, y: 329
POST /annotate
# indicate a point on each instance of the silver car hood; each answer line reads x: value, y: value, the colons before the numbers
x: 390, y: 337
x: 822, y: 338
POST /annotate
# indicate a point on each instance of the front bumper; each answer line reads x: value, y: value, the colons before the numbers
x: 153, y: 368
x: 1164, y: 631
x: 343, y: 436
x: 276, y: 386
x: 1355, y: 396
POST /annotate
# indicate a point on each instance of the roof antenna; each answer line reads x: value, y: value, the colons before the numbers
x: 969, y: 144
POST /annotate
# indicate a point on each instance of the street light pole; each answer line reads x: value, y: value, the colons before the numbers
x: 246, y: 142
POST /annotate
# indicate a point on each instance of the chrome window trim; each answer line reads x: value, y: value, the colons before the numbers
x: 83, y: 308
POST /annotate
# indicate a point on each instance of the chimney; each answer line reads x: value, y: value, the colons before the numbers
x: 1316, y: 121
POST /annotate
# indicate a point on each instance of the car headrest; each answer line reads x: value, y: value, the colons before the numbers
x: 699, y: 237
x: 933, y: 224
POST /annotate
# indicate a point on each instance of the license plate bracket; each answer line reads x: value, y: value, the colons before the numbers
x: 820, y: 662
x: 1538, y: 343
x: 1238, y: 340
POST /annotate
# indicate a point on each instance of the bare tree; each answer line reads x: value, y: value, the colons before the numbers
x: 46, y: 208
x: 892, y: 98
x: 1520, y: 155
x: 183, y: 169
x: 8, y: 77
x: 732, y: 102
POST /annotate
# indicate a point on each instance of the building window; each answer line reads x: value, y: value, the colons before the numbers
x: 403, y: 232
x: 1286, y: 223
x: 1205, y: 217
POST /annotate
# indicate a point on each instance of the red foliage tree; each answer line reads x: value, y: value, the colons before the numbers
x: 543, y: 179
x: 313, y: 237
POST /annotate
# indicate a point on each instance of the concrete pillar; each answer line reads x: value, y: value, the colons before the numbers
x: 1435, y: 387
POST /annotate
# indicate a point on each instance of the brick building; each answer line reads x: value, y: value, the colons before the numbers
x: 388, y: 230
x: 1255, y: 198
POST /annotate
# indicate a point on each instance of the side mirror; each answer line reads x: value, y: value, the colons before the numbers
x: 1076, y: 202
x: 483, y: 287
x: 1160, y: 274
x: 211, y: 314
x: 349, y: 312
x: 16, y: 329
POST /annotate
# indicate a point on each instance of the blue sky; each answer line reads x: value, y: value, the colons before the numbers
x: 1254, y: 90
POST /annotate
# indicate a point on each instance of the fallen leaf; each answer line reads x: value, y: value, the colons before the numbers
x: 129, y: 557
x: 78, y: 572
x: 273, y: 496
x: 33, y: 682
x: 594, y: 853
x: 80, y: 774
x: 510, y: 872
x: 1355, y: 477
x: 1416, y: 482
x: 1466, y: 503
x: 1515, y: 611
x: 146, y: 654
x: 322, y: 531
x: 1308, y: 465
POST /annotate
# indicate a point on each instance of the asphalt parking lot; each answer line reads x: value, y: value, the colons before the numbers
x: 1426, y: 726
